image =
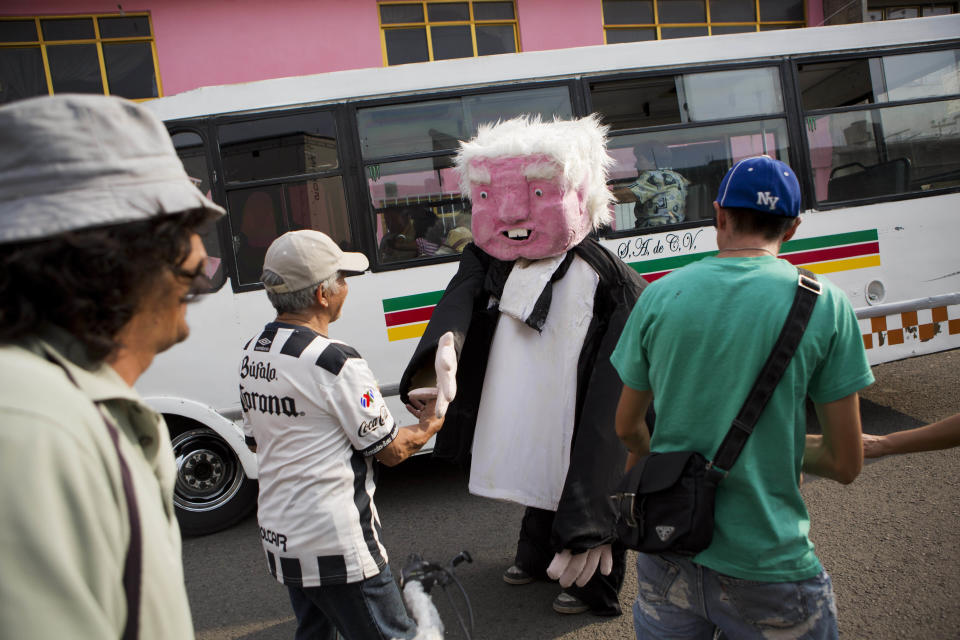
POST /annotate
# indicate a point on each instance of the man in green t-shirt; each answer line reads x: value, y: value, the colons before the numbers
x: 694, y: 349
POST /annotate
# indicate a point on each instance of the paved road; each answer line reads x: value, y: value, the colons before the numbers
x: 889, y: 540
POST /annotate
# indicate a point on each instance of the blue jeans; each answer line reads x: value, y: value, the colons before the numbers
x: 678, y: 599
x: 372, y: 608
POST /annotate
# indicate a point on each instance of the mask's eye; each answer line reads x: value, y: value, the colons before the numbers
x: 483, y: 195
x: 538, y: 193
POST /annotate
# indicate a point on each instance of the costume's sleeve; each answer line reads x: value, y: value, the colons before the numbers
x: 844, y: 369
x: 453, y: 313
x: 356, y: 401
x: 63, y: 537
x: 585, y: 517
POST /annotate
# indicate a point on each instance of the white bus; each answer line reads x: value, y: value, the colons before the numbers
x: 868, y: 115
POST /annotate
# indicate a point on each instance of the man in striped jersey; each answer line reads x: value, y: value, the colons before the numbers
x: 315, y: 417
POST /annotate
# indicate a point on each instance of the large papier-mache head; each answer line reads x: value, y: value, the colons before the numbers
x: 537, y: 188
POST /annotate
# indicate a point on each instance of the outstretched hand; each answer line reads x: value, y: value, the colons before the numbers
x: 446, y: 366
x: 568, y: 567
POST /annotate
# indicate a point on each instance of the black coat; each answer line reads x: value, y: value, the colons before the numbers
x: 584, y: 519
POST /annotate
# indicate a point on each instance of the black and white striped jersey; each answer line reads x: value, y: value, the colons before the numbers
x: 315, y: 412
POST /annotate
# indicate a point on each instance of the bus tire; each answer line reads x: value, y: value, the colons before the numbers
x: 211, y: 491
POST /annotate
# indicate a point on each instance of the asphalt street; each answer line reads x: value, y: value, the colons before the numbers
x: 889, y: 540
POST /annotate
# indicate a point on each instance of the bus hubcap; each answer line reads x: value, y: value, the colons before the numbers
x: 208, y: 472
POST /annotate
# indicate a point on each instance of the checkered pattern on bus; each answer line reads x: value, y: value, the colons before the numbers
x: 922, y: 325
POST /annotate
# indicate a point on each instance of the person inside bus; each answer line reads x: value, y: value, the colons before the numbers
x: 99, y: 254
x: 518, y: 346
x: 314, y: 415
x: 399, y: 240
x: 660, y: 192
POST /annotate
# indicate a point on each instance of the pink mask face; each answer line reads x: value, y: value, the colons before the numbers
x: 524, y: 211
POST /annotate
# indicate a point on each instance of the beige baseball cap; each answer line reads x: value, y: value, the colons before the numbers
x: 71, y: 162
x: 304, y: 258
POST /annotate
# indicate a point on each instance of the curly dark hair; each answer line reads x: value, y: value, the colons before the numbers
x: 90, y: 282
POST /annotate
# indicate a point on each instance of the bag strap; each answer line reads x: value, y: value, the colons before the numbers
x: 133, y: 563
x: 808, y: 289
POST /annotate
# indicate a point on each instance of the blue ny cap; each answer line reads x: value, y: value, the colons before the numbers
x: 763, y: 184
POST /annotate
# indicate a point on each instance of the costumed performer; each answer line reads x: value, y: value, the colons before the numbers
x: 521, y: 341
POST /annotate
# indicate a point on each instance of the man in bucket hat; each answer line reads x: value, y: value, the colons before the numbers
x: 717, y: 320
x: 313, y: 412
x: 99, y: 254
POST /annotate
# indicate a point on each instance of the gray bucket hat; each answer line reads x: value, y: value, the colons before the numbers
x: 72, y: 162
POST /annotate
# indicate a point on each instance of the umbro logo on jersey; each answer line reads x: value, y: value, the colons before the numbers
x: 263, y: 344
x: 664, y: 532
x: 366, y: 400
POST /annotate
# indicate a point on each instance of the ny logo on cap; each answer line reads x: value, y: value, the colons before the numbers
x: 764, y: 197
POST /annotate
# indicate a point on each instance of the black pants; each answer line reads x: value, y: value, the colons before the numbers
x: 534, y: 554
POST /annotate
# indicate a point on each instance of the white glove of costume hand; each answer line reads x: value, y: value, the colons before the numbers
x: 569, y: 567
x: 446, y: 365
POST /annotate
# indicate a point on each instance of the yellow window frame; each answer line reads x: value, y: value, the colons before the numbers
x: 97, y: 40
x: 656, y: 25
x: 472, y: 22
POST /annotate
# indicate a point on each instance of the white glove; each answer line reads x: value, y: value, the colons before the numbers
x: 446, y: 366
x: 569, y: 567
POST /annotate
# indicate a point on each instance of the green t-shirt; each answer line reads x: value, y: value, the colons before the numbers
x: 697, y: 338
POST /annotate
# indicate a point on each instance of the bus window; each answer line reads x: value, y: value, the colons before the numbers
x: 642, y: 102
x: 277, y: 147
x: 418, y: 210
x: 669, y: 177
x: 439, y: 125
x: 732, y: 94
x: 869, y: 150
x: 695, y: 97
x: 192, y: 153
x: 281, y: 174
x: 259, y: 214
x: 825, y: 85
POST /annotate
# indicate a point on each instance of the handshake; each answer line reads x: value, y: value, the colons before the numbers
x: 445, y: 364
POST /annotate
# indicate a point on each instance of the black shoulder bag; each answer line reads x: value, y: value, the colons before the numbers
x: 665, y: 501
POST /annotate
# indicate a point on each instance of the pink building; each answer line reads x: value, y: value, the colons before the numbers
x: 157, y: 48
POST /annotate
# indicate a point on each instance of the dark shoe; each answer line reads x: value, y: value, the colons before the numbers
x: 566, y: 603
x: 516, y: 575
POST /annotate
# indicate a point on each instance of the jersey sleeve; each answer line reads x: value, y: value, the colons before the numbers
x: 356, y: 401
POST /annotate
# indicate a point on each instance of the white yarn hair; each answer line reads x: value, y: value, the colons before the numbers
x: 578, y: 146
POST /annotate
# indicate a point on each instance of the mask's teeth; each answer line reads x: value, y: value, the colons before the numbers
x: 518, y: 234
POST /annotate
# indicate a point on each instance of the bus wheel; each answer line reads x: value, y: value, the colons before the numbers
x: 211, y: 491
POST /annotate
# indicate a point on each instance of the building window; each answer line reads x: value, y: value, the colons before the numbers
x: 878, y: 11
x: 635, y: 20
x: 428, y: 30
x: 111, y: 54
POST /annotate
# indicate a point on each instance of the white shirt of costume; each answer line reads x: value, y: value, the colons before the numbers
x: 315, y: 411
x: 521, y: 448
